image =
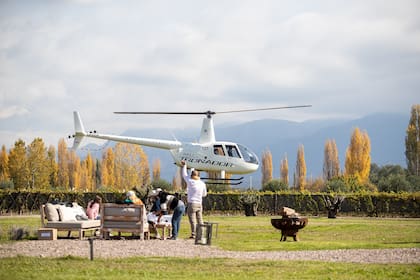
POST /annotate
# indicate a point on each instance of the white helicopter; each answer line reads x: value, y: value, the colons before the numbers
x: 207, y: 155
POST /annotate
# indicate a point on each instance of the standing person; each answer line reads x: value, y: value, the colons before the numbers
x: 178, y: 207
x: 196, y: 190
x: 92, y: 210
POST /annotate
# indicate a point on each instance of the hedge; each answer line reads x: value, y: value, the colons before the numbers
x: 366, y: 204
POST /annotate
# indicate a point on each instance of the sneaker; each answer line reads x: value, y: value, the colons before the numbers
x: 172, y: 238
x: 192, y: 237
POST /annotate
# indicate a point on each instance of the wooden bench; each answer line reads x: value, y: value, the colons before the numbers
x: 124, y: 218
x: 80, y: 226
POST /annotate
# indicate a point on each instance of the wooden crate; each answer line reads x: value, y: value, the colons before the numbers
x: 47, y: 234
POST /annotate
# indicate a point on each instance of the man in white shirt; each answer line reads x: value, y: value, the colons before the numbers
x: 196, y: 190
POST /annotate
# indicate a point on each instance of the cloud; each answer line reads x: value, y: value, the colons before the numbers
x: 347, y: 60
x: 12, y: 111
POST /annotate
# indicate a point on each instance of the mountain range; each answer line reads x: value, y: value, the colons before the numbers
x: 386, y: 132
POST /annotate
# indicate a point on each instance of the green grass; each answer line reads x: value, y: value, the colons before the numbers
x: 179, y: 268
x: 256, y: 233
x: 242, y: 234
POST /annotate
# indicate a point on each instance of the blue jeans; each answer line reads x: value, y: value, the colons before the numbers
x: 176, y: 218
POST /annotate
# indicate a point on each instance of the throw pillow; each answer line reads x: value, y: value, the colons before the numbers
x: 66, y: 213
x: 51, y: 211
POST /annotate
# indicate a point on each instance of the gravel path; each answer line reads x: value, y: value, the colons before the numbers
x: 187, y: 249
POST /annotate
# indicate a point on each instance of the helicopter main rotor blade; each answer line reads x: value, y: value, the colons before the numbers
x: 264, y: 109
x: 168, y: 113
x: 209, y: 113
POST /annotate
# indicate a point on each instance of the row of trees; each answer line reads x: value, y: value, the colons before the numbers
x: 35, y: 167
x: 359, y: 173
x: 357, y: 165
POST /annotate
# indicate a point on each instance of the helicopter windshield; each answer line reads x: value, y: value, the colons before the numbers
x: 247, y: 154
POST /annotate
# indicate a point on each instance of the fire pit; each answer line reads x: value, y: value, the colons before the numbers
x: 289, y: 224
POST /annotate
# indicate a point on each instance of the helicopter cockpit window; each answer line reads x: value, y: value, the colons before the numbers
x: 218, y: 150
x: 248, y: 155
x: 232, y: 151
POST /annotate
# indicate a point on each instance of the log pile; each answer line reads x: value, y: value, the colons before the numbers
x: 289, y: 224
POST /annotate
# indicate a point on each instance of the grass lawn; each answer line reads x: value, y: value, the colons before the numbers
x: 237, y: 233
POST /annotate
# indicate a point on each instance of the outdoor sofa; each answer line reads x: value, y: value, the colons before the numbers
x: 65, y: 218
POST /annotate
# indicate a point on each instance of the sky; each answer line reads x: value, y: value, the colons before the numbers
x: 348, y: 59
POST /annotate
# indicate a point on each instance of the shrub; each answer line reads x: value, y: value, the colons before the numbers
x: 275, y: 185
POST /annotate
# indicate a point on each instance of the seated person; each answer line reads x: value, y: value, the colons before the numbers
x: 93, y: 207
x: 157, y: 215
x: 133, y: 199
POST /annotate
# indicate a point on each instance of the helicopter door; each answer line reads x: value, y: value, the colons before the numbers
x: 232, y: 151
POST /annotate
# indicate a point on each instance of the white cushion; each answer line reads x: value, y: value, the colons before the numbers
x: 78, y: 210
x: 51, y: 211
x: 66, y: 213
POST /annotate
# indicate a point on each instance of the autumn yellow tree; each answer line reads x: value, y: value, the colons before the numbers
x: 358, y: 156
x: 266, y: 167
x: 284, y: 170
x: 74, y: 171
x: 108, y: 166
x: 156, y: 170
x: 38, y: 165
x: 63, y: 165
x: 331, y: 162
x: 4, y: 165
x: 300, y: 174
x: 87, y: 172
x: 131, y: 167
x: 18, y: 165
x: 177, y: 180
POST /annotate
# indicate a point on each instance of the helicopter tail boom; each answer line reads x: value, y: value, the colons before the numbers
x: 80, y: 133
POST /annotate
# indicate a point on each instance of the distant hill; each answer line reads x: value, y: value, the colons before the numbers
x: 386, y: 132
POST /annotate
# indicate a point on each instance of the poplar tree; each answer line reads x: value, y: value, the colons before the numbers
x: 331, y: 163
x: 52, y: 166
x: 74, y: 171
x: 300, y: 169
x: 108, y: 168
x: 90, y: 172
x: 18, y: 165
x: 38, y: 165
x: 63, y: 164
x: 4, y: 165
x: 98, y: 173
x: 131, y: 167
x: 284, y: 170
x: 87, y: 172
x: 156, y: 170
x: 412, y: 142
x: 266, y: 167
x: 358, y: 156
x: 177, y: 180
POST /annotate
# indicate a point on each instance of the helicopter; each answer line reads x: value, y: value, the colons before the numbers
x: 206, y: 155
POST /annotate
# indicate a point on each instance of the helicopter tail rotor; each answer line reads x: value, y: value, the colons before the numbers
x: 79, y: 129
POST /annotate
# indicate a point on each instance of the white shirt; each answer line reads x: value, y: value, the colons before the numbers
x: 196, y: 189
